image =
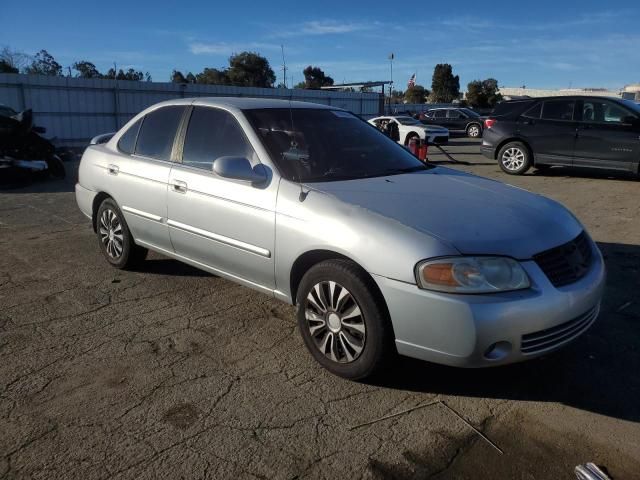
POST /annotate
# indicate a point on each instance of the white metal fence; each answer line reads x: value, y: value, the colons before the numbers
x: 75, y: 109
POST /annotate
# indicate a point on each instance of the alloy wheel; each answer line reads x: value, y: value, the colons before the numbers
x: 474, y: 131
x: 335, y: 322
x: 513, y: 159
x: 111, y: 234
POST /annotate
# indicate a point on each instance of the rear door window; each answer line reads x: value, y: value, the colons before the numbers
x: 214, y: 133
x: 558, y: 110
x: 454, y: 114
x: 158, y: 132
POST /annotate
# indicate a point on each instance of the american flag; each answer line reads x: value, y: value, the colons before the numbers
x: 412, y: 81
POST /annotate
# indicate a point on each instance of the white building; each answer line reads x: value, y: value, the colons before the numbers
x: 516, y: 92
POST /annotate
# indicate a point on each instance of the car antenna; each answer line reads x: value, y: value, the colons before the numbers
x: 303, y: 195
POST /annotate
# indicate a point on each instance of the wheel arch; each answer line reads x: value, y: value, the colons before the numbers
x: 307, y: 260
x: 410, y: 135
x: 97, y: 201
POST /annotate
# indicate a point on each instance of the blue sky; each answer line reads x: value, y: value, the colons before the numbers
x: 544, y: 44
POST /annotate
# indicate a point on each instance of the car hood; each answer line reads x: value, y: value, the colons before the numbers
x: 472, y: 214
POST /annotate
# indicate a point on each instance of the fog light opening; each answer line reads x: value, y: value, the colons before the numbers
x: 497, y: 351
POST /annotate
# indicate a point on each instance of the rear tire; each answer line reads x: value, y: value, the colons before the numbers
x: 474, y: 130
x: 115, y: 239
x: 343, y: 320
x: 514, y: 158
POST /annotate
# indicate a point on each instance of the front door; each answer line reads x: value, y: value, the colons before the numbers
x: 606, y: 136
x: 225, y: 225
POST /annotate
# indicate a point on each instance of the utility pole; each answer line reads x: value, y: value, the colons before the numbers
x: 284, y: 67
x: 391, y: 57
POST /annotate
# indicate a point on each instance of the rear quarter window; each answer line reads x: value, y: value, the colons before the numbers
x: 533, y: 112
x: 127, y: 142
x: 511, y: 108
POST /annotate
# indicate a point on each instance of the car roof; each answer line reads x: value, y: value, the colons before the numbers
x: 246, y: 103
x: 561, y: 97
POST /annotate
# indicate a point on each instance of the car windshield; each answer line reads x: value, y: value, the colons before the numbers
x: 318, y: 145
x: 632, y: 105
x: 471, y: 113
x: 407, y: 121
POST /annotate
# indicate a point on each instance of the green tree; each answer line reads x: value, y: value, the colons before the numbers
x: 86, y: 69
x: 445, y: 87
x: 213, y: 76
x: 130, y: 74
x: 314, y: 78
x: 248, y: 69
x: 416, y: 94
x: 6, y: 67
x: 12, y: 61
x: 190, y: 78
x: 475, y: 94
x: 490, y: 86
x: 44, y: 64
x: 483, y: 93
x: 178, y: 77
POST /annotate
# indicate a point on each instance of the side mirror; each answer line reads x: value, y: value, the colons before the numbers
x: 631, y: 120
x: 239, y: 168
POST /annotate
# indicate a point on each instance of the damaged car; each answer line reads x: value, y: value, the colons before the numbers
x: 381, y: 253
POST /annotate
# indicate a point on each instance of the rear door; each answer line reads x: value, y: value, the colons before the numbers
x: 550, y: 129
x: 606, y: 138
x: 439, y: 117
x: 141, y: 174
x: 223, y: 224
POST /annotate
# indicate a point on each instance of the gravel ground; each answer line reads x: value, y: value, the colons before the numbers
x: 174, y: 373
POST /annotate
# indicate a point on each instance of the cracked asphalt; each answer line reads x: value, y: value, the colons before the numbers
x: 169, y: 372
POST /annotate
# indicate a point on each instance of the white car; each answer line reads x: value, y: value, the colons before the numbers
x: 411, y: 128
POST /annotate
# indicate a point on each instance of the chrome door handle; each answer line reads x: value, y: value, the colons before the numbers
x: 113, y: 169
x: 179, y: 186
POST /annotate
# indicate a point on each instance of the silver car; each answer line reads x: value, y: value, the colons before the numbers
x: 381, y: 253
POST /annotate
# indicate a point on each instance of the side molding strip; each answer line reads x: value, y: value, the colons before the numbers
x: 140, y: 213
x: 263, y: 252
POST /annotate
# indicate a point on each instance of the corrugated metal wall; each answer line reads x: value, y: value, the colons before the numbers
x: 75, y: 109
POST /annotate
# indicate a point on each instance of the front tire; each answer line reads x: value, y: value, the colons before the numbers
x: 115, y: 239
x: 514, y: 158
x: 343, y: 320
x: 474, y: 130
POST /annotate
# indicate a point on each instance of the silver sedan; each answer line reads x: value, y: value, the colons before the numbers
x: 380, y: 253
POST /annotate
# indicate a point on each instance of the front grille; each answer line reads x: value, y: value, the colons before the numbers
x: 552, y: 337
x: 441, y: 140
x: 567, y: 263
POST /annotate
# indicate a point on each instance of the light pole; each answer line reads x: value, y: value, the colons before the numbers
x: 391, y: 57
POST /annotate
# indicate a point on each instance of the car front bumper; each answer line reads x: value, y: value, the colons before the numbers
x: 494, y: 329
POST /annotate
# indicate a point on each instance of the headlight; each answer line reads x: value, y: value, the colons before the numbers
x: 471, y: 275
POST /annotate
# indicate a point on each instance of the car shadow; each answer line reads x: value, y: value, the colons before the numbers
x: 558, y: 172
x: 598, y: 372
x: 169, y: 267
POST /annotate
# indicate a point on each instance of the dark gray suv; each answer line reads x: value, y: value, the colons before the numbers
x: 579, y: 131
